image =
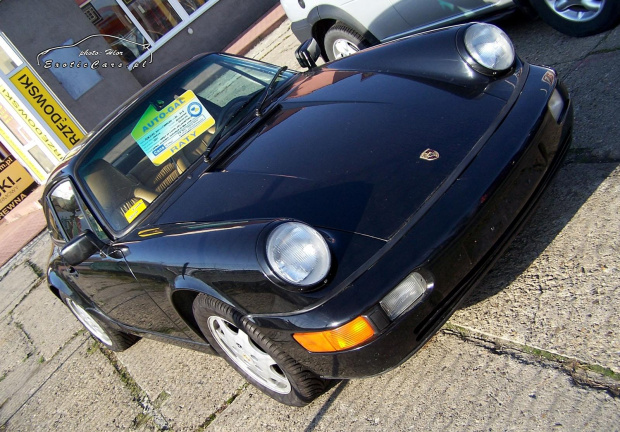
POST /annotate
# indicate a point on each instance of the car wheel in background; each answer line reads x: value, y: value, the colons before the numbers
x: 342, y: 41
x: 578, y: 17
x: 253, y: 355
x: 112, y: 339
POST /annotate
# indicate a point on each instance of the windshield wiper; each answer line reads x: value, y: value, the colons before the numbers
x: 268, y: 90
x: 258, y: 112
x: 216, y: 138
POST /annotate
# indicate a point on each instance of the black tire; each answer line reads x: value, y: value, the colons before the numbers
x: 305, y: 386
x: 111, y: 338
x: 338, y: 34
x: 525, y: 8
x: 607, y: 17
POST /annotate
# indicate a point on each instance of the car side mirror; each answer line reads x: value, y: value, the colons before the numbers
x: 82, y: 247
x: 308, y: 53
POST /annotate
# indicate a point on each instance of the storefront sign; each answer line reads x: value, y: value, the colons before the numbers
x: 47, y: 107
x: 28, y: 118
x: 6, y: 139
x: 15, y: 185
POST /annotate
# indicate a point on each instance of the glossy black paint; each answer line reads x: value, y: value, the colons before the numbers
x: 338, y: 148
x: 456, y: 241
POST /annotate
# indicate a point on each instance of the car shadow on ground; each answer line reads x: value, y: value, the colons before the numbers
x: 574, y: 184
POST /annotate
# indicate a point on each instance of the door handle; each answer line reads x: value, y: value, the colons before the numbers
x: 118, y: 252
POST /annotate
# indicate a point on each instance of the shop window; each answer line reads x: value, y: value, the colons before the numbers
x: 157, y: 17
x: 191, y: 6
x: 129, y: 26
x: 111, y: 20
x: 45, y: 162
x: 9, y: 59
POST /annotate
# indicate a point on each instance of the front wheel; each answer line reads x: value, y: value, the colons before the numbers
x: 578, y: 17
x: 113, y: 339
x: 342, y: 41
x: 253, y: 355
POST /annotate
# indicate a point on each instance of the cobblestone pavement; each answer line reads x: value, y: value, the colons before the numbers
x: 536, y: 346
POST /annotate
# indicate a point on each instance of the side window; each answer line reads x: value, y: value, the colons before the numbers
x: 68, y: 209
x: 54, y: 229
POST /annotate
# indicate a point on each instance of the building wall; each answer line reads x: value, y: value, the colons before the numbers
x: 212, y: 31
x: 36, y: 25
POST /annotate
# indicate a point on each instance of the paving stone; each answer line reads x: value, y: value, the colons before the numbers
x: 557, y: 286
x: 196, y: 384
x: 448, y: 385
x: 39, y: 251
x: 46, y: 320
x: 14, y: 286
x: 14, y: 346
x: 27, y: 376
x: 81, y: 392
x: 594, y: 89
x: 611, y: 42
x: 538, y: 43
x: 278, y: 47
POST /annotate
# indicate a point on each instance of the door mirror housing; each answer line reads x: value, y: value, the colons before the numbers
x: 82, y: 247
x: 308, y: 53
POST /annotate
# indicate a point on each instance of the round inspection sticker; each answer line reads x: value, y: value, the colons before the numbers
x: 194, y: 109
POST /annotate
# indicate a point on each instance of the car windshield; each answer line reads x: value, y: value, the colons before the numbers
x: 155, y: 141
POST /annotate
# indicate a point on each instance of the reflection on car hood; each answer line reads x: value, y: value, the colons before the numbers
x: 343, y: 152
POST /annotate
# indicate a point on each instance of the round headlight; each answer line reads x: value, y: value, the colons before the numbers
x: 298, y: 254
x: 489, y: 46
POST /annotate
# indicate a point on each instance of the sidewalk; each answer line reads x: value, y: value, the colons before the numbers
x: 21, y: 225
x: 27, y: 221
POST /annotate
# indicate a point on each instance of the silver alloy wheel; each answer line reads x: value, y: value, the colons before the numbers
x: 89, y: 322
x: 344, y: 48
x: 576, y: 10
x: 248, y: 356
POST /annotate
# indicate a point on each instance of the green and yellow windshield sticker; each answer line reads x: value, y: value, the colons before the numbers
x: 135, y: 210
x: 160, y: 134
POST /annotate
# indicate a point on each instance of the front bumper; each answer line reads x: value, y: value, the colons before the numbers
x: 456, y: 240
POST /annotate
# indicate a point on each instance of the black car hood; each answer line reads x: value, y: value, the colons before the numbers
x: 343, y: 151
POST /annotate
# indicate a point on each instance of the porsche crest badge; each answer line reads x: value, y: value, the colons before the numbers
x: 429, y: 155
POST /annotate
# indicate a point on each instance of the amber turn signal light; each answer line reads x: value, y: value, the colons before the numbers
x: 350, y: 335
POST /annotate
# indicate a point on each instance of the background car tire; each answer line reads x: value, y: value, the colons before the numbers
x: 341, y: 41
x: 525, y: 8
x: 288, y: 382
x: 606, y: 17
x: 113, y: 339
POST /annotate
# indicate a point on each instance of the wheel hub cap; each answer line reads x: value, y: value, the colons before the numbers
x: 88, y: 322
x: 576, y: 10
x: 248, y: 356
x: 344, y: 48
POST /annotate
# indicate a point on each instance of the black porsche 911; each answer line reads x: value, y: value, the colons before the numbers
x: 305, y: 226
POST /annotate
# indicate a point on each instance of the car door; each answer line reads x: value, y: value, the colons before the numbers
x: 423, y: 14
x: 106, y: 281
x: 378, y: 16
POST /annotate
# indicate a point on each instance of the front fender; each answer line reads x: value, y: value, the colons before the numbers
x: 434, y: 56
x: 221, y: 260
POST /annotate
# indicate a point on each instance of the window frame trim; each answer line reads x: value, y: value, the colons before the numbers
x: 81, y: 204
